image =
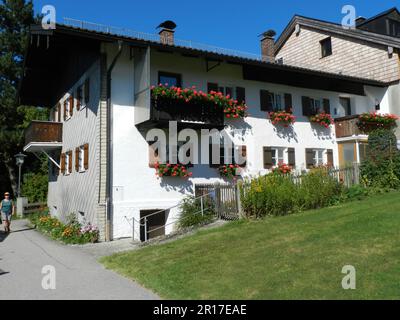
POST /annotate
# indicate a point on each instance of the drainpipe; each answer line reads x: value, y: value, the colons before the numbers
x: 109, y: 200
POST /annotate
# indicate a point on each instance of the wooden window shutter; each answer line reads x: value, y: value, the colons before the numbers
x: 288, y: 102
x: 265, y: 101
x: 71, y: 105
x: 78, y: 98
x: 308, y: 109
x: 70, y: 161
x: 77, y: 159
x: 87, y: 90
x: 267, y: 151
x: 153, y: 156
x: 86, y: 156
x: 65, y: 110
x: 212, y: 87
x: 327, y: 106
x: 241, y: 94
x: 214, y: 147
x: 291, y: 157
x: 62, y: 163
x: 309, y: 158
x: 329, y: 153
x: 243, y: 152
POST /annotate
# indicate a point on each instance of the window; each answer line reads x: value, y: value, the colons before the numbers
x: 68, y: 163
x: 170, y: 79
x: 394, y: 28
x: 318, y: 157
x: 345, y: 103
x: 326, y: 47
x: 277, y: 156
x: 274, y: 101
x: 81, y: 157
x: 312, y: 106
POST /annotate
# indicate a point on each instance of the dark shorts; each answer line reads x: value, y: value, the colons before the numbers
x: 6, y: 216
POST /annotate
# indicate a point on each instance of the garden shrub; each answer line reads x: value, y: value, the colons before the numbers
x: 191, y: 212
x: 71, y: 232
x: 277, y: 194
x: 381, y: 169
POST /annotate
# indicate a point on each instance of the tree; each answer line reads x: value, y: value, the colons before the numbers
x: 15, y: 18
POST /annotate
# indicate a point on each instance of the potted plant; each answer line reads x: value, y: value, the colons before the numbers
x: 231, y: 108
x: 282, y: 168
x: 229, y: 170
x: 373, y: 120
x: 285, y: 118
x: 323, y: 119
x: 172, y: 170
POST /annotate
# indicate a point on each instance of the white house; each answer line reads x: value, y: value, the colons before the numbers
x: 98, y: 85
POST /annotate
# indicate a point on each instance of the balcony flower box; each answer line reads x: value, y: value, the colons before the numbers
x: 172, y: 170
x: 231, y: 108
x: 285, y: 118
x: 282, y: 168
x: 323, y: 119
x: 229, y: 170
x: 368, y: 122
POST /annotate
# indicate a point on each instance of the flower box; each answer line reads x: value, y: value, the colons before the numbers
x: 231, y: 108
x: 371, y: 121
x: 285, y: 118
x: 323, y: 119
x: 229, y: 170
x: 282, y: 168
x: 172, y: 170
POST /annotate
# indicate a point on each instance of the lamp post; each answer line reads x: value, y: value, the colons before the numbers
x: 20, y: 158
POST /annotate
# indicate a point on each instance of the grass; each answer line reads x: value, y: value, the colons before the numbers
x: 293, y: 257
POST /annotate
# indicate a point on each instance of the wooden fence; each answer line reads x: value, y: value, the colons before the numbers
x: 34, y: 207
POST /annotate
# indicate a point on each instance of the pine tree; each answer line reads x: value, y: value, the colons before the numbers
x: 15, y: 18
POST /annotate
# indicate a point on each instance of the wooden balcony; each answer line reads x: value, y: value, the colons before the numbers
x: 188, y: 114
x: 347, y: 127
x: 41, y: 135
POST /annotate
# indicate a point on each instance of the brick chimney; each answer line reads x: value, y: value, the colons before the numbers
x: 268, y: 46
x: 167, y: 36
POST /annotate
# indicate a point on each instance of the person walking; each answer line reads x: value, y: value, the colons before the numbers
x: 7, y: 209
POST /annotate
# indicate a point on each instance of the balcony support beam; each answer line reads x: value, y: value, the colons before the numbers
x: 49, y: 157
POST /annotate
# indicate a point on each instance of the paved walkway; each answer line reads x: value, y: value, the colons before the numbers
x: 25, y: 252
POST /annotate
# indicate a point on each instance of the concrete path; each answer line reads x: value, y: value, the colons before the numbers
x: 25, y: 252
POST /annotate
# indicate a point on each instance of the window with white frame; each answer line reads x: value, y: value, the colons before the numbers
x: 276, y: 100
x: 81, y: 157
x: 278, y: 156
x: 318, y: 157
x: 67, y: 109
x: 68, y: 160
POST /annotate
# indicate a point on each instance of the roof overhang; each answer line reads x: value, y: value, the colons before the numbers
x: 34, y: 147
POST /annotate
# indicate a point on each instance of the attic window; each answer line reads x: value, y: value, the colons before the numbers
x: 326, y: 47
x: 394, y: 28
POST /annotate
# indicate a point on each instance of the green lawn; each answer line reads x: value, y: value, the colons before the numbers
x: 294, y: 257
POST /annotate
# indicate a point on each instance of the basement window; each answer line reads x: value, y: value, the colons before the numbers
x: 326, y: 47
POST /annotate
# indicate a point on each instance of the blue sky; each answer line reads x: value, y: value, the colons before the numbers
x: 229, y: 24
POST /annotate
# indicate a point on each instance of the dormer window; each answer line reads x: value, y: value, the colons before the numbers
x: 326, y: 47
x: 394, y: 28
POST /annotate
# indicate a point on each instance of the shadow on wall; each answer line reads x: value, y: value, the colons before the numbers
x: 286, y: 133
x: 322, y: 133
x: 178, y: 184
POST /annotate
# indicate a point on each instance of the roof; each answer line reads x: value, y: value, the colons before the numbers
x: 38, y: 57
x: 384, y: 13
x: 335, y: 28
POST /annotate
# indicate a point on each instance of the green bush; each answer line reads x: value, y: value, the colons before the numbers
x: 191, y: 212
x: 276, y: 194
x: 381, y: 169
x: 34, y: 186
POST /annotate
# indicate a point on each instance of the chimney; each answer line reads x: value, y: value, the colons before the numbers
x: 167, y: 36
x: 268, y: 46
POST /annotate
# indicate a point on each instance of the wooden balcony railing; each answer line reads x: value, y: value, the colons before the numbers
x: 43, y: 131
x: 347, y: 126
x: 205, y: 114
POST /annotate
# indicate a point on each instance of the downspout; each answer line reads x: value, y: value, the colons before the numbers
x: 109, y: 200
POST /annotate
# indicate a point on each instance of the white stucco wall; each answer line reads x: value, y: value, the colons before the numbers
x: 135, y: 185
